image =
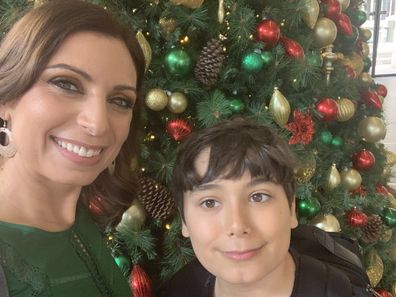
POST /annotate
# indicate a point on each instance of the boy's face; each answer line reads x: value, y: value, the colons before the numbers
x: 239, y: 229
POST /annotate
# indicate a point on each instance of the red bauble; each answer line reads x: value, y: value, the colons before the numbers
x: 350, y: 72
x: 268, y: 31
x: 293, y: 48
x: 383, y: 293
x: 140, y: 282
x: 333, y: 9
x: 178, y: 129
x: 381, y: 189
x: 363, y: 160
x: 94, y: 206
x: 371, y: 99
x: 327, y: 107
x: 343, y: 24
x: 381, y: 90
x: 356, y: 218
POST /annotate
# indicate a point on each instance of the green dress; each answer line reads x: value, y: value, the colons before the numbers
x: 75, y: 262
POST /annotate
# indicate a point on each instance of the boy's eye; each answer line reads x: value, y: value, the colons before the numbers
x: 124, y: 103
x: 259, y: 197
x: 209, y: 203
x: 65, y: 84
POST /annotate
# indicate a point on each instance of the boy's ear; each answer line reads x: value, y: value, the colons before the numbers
x: 185, y: 232
x: 293, y: 216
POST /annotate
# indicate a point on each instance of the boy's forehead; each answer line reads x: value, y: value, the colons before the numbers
x: 201, y: 162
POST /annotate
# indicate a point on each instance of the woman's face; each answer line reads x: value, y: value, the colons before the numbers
x: 70, y: 125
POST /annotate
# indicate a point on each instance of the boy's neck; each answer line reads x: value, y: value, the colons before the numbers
x: 277, y: 284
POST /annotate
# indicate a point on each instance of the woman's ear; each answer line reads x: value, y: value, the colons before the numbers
x: 185, y: 232
x: 293, y: 216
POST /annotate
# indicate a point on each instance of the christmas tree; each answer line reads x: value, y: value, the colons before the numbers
x: 300, y: 66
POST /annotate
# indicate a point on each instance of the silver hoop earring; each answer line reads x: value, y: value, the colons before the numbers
x: 111, y: 167
x: 7, y: 150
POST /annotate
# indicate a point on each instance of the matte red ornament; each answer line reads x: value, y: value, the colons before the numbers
x: 333, y: 9
x: 293, y: 48
x: 268, y: 31
x: 356, y: 218
x: 383, y: 293
x: 178, y: 129
x: 361, y: 191
x: 94, y: 206
x: 344, y: 24
x: 140, y: 282
x: 327, y: 107
x: 381, y: 189
x: 381, y: 90
x: 371, y: 99
x: 350, y: 72
x: 363, y: 160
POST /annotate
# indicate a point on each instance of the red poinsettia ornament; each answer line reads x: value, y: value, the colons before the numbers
x: 302, y: 128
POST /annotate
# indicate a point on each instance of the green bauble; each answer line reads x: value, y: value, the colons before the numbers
x: 337, y: 142
x: 178, y: 62
x: 236, y: 105
x: 314, y: 58
x: 308, y: 208
x: 123, y: 263
x: 252, y: 63
x: 389, y: 217
x: 326, y: 137
x: 268, y: 58
x: 366, y: 64
x: 358, y: 17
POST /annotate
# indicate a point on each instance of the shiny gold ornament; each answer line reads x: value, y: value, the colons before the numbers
x: 146, y: 48
x: 365, y: 34
x: 188, y: 3
x: 366, y: 79
x: 221, y: 11
x: 393, y: 289
x: 356, y: 62
x: 167, y: 25
x: 325, y: 32
x: 327, y: 222
x: 390, y: 158
x: 344, y: 4
x: 365, y: 50
x: 372, y: 129
x: 279, y: 108
x: 133, y: 218
x: 351, y: 179
x: 328, y: 59
x: 386, y: 171
x: 374, y: 268
x: 386, y: 235
x: 346, y: 109
x: 306, y: 169
x: 177, y: 102
x: 310, y: 13
x: 333, y: 179
x: 156, y: 99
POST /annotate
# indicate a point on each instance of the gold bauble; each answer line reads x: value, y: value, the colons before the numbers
x: 392, y: 200
x: 327, y: 222
x: 351, y: 179
x: 310, y: 13
x: 365, y: 34
x: 386, y: 235
x: 325, y: 32
x: 374, y: 268
x: 167, y: 25
x: 365, y: 50
x: 177, y: 102
x: 356, y: 62
x: 188, y: 3
x: 333, y: 178
x: 279, y: 108
x: 344, y: 4
x: 386, y: 171
x: 133, y: 218
x: 366, y: 79
x: 390, y: 158
x: 305, y: 169
x: 393, y: 289
x: 156, y: 99
x: 372, y: 129
x: 346, y: 109
x: 146, y: 48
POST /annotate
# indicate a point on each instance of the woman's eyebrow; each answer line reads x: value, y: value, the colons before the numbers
x: 71, y: 68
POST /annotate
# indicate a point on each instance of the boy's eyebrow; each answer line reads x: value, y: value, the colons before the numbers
x: 259, y: 180
x: 204, y: 187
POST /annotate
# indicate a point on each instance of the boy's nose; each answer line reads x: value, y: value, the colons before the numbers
x: 238, y: 222
x: 93, y: 116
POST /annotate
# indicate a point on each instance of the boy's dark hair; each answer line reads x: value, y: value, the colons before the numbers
x: 235, y: 146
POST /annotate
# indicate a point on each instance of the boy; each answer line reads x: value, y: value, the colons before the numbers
x: 234, y: 186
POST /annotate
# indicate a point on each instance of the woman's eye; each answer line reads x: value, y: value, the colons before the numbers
x: 209, y: 203
x: 259, y: 197
x: 122, y: 102
x: 65, y: 84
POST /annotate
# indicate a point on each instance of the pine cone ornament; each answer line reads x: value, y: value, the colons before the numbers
x: 209, y: 63
x: 373, y: 230
x: 156, y: 199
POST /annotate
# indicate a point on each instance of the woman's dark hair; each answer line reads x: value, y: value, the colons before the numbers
x: 235, y: 146
x: 26, y: 50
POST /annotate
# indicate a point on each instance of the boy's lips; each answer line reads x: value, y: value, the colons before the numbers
x: 242, y: 254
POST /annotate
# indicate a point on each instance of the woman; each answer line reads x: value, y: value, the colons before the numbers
x: 70, y: 77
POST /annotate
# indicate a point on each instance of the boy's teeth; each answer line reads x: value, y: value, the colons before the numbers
x: 81, y: 151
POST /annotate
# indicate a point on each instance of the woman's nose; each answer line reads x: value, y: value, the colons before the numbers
x: 93, y: 116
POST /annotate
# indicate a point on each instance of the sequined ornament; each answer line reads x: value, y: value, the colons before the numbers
x: 167, y: 25
x: 305, y: 169
x: 178, y: 129
x: 140, y: 282
x: 156, y: 99
x: 374, y: 268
